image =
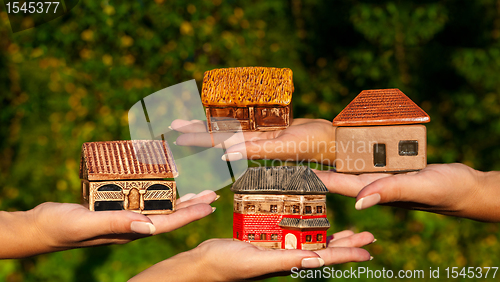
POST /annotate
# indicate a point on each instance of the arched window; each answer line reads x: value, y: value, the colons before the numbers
x: 108, y: 197
x: 158, y: 197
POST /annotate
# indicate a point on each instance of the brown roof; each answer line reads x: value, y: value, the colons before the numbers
x: 247, y: 86
x: 381, y: 107
x: 110, y: 160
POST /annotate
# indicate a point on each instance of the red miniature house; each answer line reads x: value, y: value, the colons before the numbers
x: 247, y: 98
x: 381, y: 131
x: 280, y: 208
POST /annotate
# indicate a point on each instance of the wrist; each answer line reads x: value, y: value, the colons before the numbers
x: 485, y: 204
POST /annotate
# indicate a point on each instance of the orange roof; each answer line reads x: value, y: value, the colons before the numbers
x: 247, y: 86
x: 381, y: 107
x: 116, y: 160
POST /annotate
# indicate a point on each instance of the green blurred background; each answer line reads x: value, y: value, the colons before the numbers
x: 72, y: 80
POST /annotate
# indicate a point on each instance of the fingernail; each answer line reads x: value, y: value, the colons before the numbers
x: 216, y: 198
x: 142, y: 227
x: 374, y: 240
x: 312, y: 262
x: 232, y: 157
x: 175, y: 142
x: 371, y: 258
x: 213, y: 209
x: 367, y: 201
x: 170, y: 127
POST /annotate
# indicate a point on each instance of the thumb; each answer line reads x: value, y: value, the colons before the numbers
x: 397, y: 188
x: 117, y: 222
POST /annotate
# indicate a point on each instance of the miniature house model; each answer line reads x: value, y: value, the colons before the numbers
x: 128, y: 175
x: 280, y: 208
x: 381, y: 131
x: 247, y: 99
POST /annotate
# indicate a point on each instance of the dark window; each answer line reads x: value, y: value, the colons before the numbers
x: 263, y: 236
x: 308, y: 238
x: 109, y: 187
x: 308, y: 209
x: 408, y: 148
x: 251, y: 208
x: 274, y: 208
x: 379, y: 155
x: 108, y: 205
x: 274, y: 237
x: 251, y: 236
x: 157, y: 205
x: 238, y: 235
x: 296, y: 209
x: 319, y: 237
x: 162, y: 204
x: 319, y: 209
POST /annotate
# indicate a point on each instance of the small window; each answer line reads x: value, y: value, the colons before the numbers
x: 319, y: 209
x: 263, y: 236
x: 308, y: 238
x: 308, y: 209
x: 274, y: 237
x: 379, y: 155
x: 408, y: 148
x: 295, y: 209
x: 251, y: 236
x: 251, y: 208
x: 238, y: 235
x: 319, y: 237
x: 274, y: 208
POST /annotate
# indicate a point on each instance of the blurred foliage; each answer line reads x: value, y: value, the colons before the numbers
x: 73, y: 79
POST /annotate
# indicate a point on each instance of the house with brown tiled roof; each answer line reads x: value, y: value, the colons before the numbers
x: 128, y: 175
x: 381, y: 131
x: 247, y: 98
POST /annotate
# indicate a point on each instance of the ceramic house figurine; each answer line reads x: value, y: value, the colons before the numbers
x: 128, y: 175
x: 280, y: 208
x: 247, y: 98
x: 381, y: 131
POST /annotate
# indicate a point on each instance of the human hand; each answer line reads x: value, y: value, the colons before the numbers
x: 53, y: 227
x: 450, y: 189
x: 228, y: 260
x: 304, y: 139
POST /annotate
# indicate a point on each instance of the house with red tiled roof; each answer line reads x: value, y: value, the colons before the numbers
x: 381, y: 131
x: 128, y: 175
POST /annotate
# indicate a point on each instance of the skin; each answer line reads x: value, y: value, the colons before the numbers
x: 300, y: 141
x: 449, y: 189
x: 51, y: 227
x: 228, y: 260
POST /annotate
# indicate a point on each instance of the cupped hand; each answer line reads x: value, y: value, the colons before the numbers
x: 304, y: 139
x: 228, y: 260
x: 62, y: 226
x: 450, y: 189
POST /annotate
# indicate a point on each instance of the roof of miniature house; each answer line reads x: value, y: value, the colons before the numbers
x: 137, y: 159
x: 321, y: 222
x: 247, y: 86
x: 381, y: 107
x: 279, y: 180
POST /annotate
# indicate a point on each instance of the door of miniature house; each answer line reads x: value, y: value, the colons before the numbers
x: 109, y: 197
x: 290, y: 241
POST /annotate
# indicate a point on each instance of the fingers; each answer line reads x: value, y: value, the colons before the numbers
x: 347, y: 184
x: 183, y: 216
x: 355, y: 240
x: 397, y: 188
x: 285, y: 260
x: 205, y: 197
x: 186, y: 197
x: 339, y: 235
x: 111, y: 222
x: 342, y: 255
x: 268, y: 148
x: 186, y: 126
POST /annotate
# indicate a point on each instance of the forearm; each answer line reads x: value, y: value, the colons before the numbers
x: 19, y: 235
x: 484, y: 205
x: 185, y: 266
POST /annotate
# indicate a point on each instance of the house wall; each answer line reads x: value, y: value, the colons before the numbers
x: 355, y: 145
x: 250, y: 118
x: 126, y: 186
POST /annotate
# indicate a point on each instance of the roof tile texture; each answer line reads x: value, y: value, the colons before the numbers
x: 381, y: 107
